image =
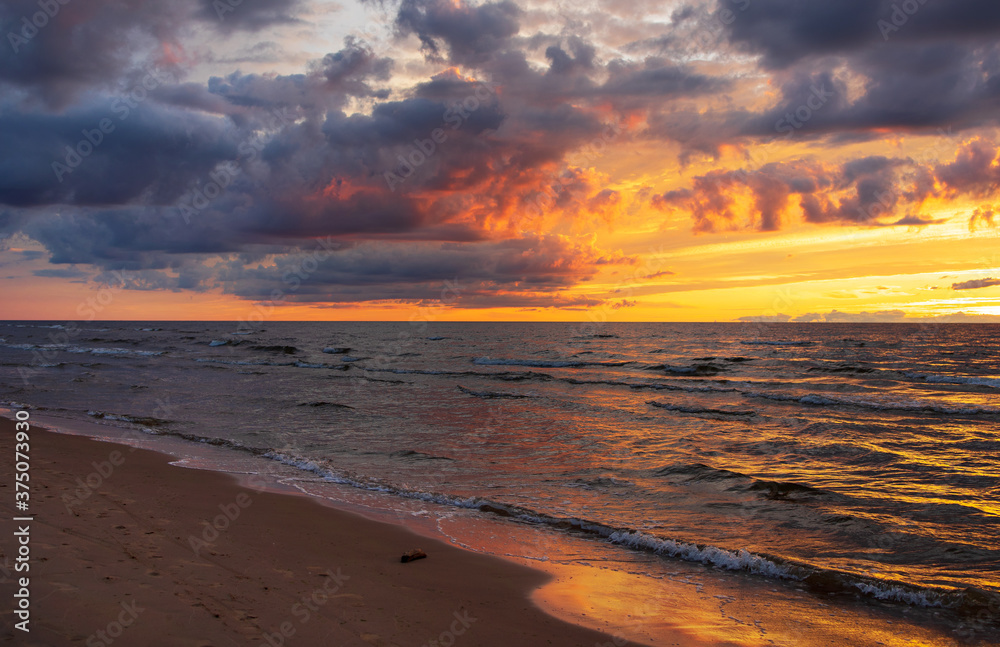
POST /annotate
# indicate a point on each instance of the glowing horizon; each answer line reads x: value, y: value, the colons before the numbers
x: 494, y: 161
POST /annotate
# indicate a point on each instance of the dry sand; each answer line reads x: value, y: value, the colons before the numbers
x: 283, y: 569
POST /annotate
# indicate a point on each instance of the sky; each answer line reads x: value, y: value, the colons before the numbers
x: 594, y: 160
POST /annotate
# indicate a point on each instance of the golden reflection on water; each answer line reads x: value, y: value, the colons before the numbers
x: 695, y: 609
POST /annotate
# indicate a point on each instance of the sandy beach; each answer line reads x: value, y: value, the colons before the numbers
x: 127, y: 549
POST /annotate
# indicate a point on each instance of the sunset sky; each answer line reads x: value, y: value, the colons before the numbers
x: 511, y: 160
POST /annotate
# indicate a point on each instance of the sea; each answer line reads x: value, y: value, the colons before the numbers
x: 847, y: 469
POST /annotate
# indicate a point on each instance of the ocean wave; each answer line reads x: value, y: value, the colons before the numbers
x: 602, y: 483
x: 992, y: 382
x: 412, y: 454
x: 783, y: 490
x: 287, y: 350
x: 488, y: 361
x: 911, y: 406
x: 778, y: 343
x: 774, y: 490
x: 419, y: 371
x: 81, y: 350
x: 508, y: 376
x: 705, y: 369
x: 135, y: 420
x: 814, y: 578
x: 504, y: 376
x: 11, y: 404
x: 336, y: 350
x: 323, y: 403
x: 739, y: 560
x: 245, y: 362
x: 492, y: 394
x: 843, y: 368
x: 701, y: 411
x: 331, y: 367
x: 699, y: 472
x: 656, y: 386
x: 540, y: 363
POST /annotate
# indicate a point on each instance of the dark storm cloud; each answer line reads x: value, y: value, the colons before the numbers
x: 580, y: 57
x: 656, y: 78
x: 917, y: 221
x: 125, y: 238
x: 151, y: 153
x: 83, y: 45
x: 377, y: 271
x: 313, y: 155
x: 62, y: 273
x: 315, y: 173
x: 460, y: 33
x: 861, y: 191
x: 838, y: 77
x: 938, y: 68
x: 788, y: 31
x: 530, y: 271
x: 975, y: 171
x: 250, y: 15
x: 351, y: 68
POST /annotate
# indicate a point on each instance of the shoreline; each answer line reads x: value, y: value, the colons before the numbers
x: 195, y: 557
x: 619, y: 598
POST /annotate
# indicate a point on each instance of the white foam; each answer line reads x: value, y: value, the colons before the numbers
x: 741, y: 560
x: 992, y: 382
x: 66, y: 348
x: 896, y: 593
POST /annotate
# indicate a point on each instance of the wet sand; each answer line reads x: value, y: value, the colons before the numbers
x: 127, y: 549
